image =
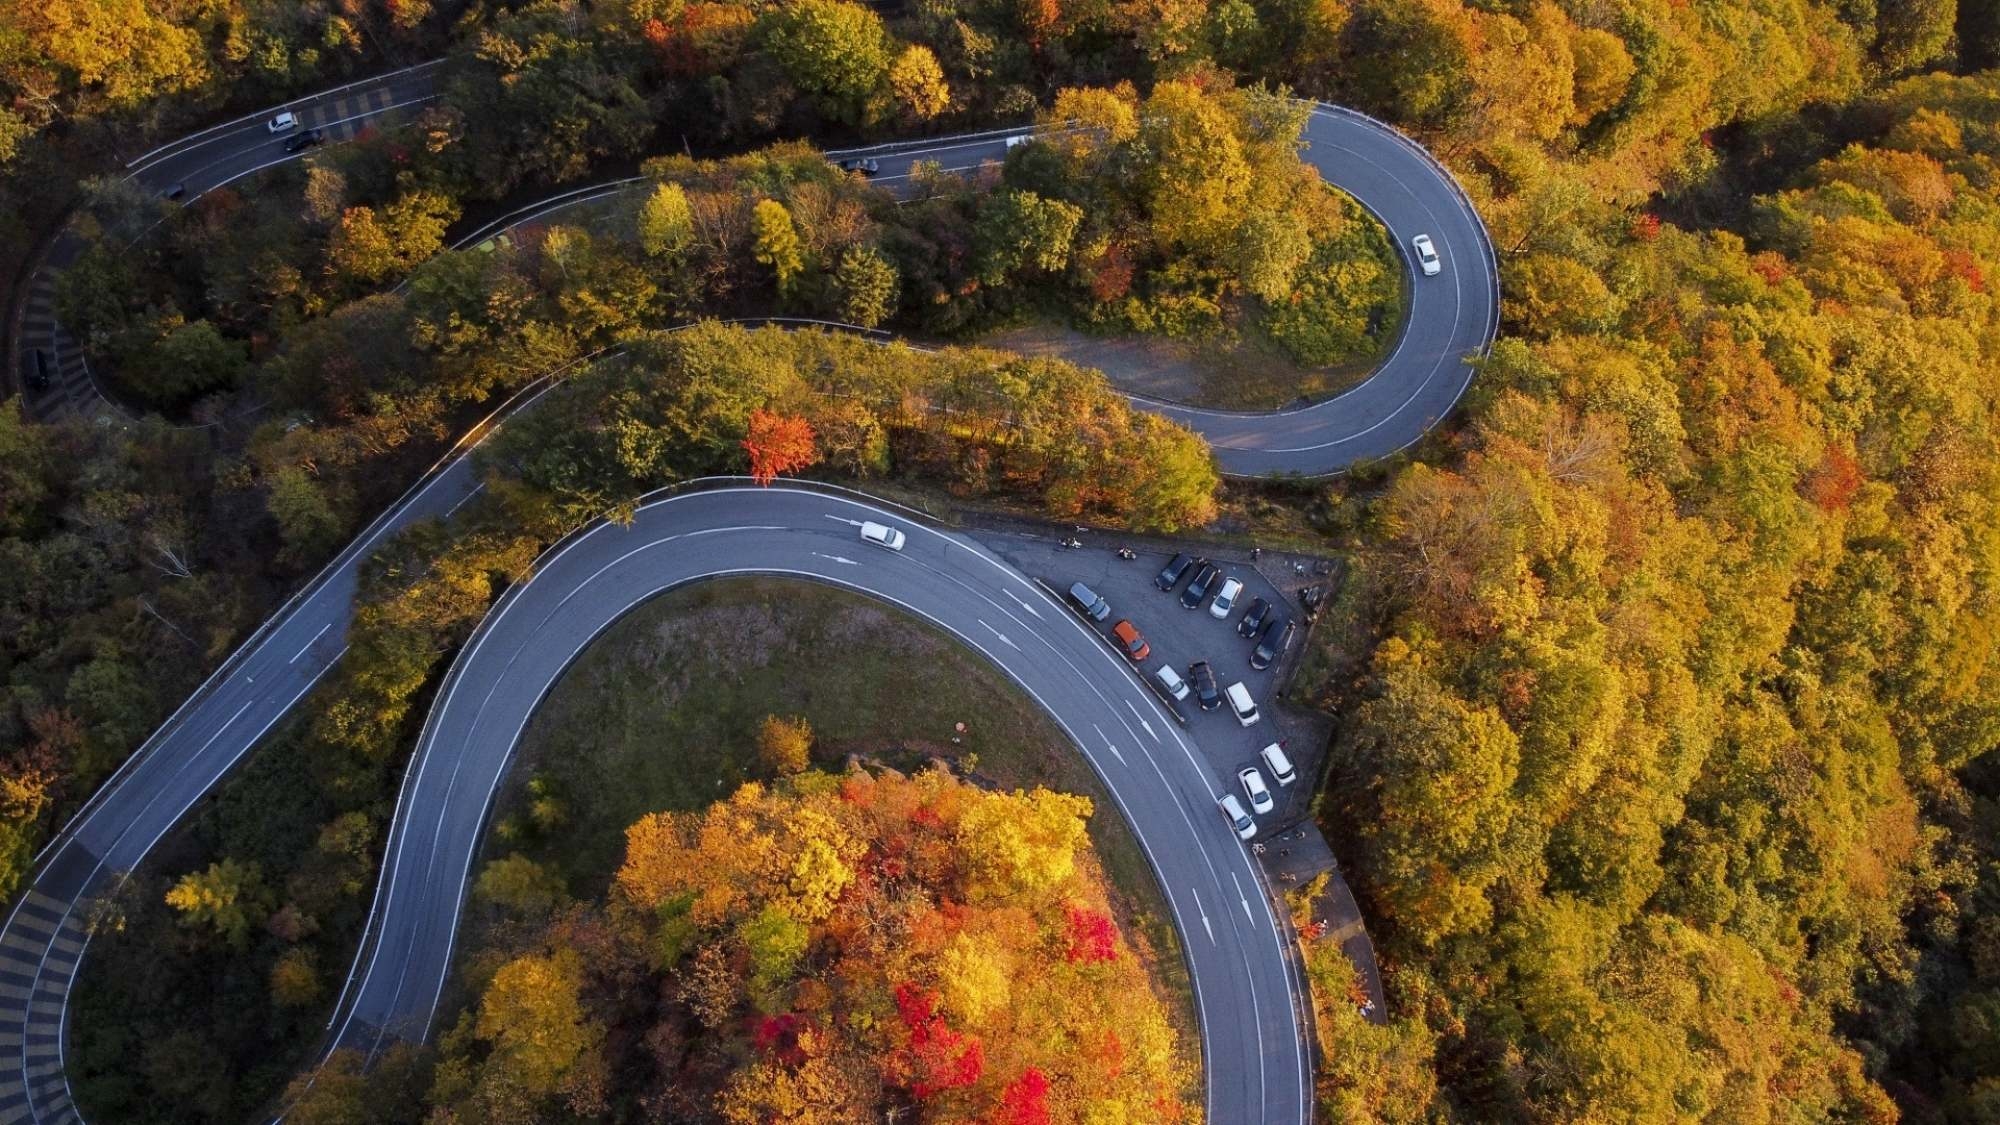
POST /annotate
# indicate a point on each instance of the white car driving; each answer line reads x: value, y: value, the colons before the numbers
x: 882, y: 536
x: 284, y: 122
x: 1427, y: 255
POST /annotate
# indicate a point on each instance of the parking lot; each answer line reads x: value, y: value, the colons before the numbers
x: 1179, y: 637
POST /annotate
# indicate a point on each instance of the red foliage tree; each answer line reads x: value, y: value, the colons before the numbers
x: 1026, y: 1099
x: 1092, y: 936
x: 1832, y: 484
x: 778, y: 443
x: 938, y: 1058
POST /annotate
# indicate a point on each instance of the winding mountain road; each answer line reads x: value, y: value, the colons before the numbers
x: 1248, y: 995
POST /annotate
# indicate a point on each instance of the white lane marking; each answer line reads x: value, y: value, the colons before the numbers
x: 464, y: 500
x: 836, y: 558
x: 1108, y: 744
x: 843, y: 519
x: 1199, y: 909
x: 1022, y: 602
x: 1001, y: 635
x: 310, y: 643
x: 1142, y: 720
x: 1243, y: 898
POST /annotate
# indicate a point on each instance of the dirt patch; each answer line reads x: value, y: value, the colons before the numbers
x: 1227, y: 373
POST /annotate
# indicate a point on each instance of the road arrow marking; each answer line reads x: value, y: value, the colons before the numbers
x: 1243, y: 900
x: 1142, y: 720
x: 836, y: 558
x: 1203, y: 913
x: 1001, y: 635
x: 1107, y: 744
x: 1022, y: 602
x: 843, y: 519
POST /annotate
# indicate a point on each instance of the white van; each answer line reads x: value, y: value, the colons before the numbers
x: 1241, y: 703
x: 1171, y: 680
x: 1279, y: 765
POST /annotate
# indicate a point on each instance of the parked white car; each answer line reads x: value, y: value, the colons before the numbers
x: 1225, y: 598
x: 1253, y: 785
x: 1238, y: 819
x: 1171, y: 680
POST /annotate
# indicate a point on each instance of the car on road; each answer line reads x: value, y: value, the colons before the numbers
x: 1171, y: 681
x: 1253, y: 785
x: 35, y: 369
x: 173, y: 191
x: 1225, y: 599
x: 1260, y: 610
x: 1238, y: 819
x: 1173, y: 572
x: 1279, y: 765
x: 881, y: 535
x: 1427, y: 255
x: 866, y: 165
x: 1019, y: 139
x: 283, y: 123
x: 1244, y: 707
x: 311, y: 138
x: 1129, y: 639
x: 1198, y: 589
x: 1088, y: 600
x: 1203, y: 678
x: 1278, y: 635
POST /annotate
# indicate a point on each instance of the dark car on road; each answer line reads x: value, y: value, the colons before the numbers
x: 866, y: 165
x: 173, y: 191
x: 305, y: 140
x: 1129, y: 639
x: 1278, y: 635
x: 1089, y: 601
x: 1253, y: 621
x: 35, y: 369
x: 1198, y: 589
x: 1203, y: 679
x: 1173, y: 572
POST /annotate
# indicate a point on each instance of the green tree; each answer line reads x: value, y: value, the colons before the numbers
x: 227, y: 898
x: 777, y: 242
x: 308, y: 521
x: 867, y: 283
x: 520, y: 885
x: 1267, y: 251
x: 1019, y: 231
x: 192, y: 358
x: 666, y: 222
x: 832, y: 48
x: 775, y: 942
x: 295, y: 979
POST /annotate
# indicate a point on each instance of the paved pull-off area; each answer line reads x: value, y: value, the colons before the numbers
x: 1249, y: 997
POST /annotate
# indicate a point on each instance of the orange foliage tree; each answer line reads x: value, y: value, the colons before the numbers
x: 778, y: 443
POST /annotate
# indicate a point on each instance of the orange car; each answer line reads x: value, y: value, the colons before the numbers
x: 1135, y: 645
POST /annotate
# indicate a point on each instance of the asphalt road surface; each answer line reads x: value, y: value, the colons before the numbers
x: 195, y: 165
x: 1256, y: 1057
x: 1248, y: 994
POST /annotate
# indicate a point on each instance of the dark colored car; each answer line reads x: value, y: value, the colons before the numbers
x: 35, y: 369
x: 1197, y: 590
x: 1278, y: 635
x: 866, y: 165
x: 174, y: 191
x: 308, y: 139
x: 1135, y: 646
x: 1203, y: 679
x: 1253, y: 621
x: 1173, y: 572
x: 1088, y: 600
